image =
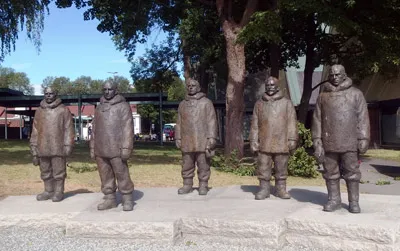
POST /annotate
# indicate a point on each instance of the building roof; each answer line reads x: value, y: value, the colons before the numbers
x: 9, y: 92
x: 34, y: 101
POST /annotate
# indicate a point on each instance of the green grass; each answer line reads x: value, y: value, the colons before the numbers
x: 383, y: 154
x: 382, y: 182
x: 151, y: 165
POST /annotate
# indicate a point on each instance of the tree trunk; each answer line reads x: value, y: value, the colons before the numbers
x: 203, y: 77
x: 234, y: 91
x: 274, y: 50
x: 274, y: 55
x: 187, y: 67
x: 308, y: 69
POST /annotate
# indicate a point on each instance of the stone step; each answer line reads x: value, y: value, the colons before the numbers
x: 227, y: 215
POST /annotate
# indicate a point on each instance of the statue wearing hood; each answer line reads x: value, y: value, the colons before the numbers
x: 195, y: 135
x: 111, y: 146
x: 273, y: 135
x: 340, y: 131
x: 51, y: 142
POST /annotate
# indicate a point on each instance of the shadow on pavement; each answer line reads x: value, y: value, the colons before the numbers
x: 392, y: 171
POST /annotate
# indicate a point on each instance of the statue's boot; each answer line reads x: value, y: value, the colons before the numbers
x: 110, y: 201
x: 187, y: 186
x: 265, y: 190
x: 353, y: 193
x: 203, y: 188
x: 58, y: 190
x: 334, y: 200
x: 127, y: 202
x: 48, y: 191
x: 280, y: 186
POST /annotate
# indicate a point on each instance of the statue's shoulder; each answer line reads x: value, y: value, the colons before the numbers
x: 206, y: 100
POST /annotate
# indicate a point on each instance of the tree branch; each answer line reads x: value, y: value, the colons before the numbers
x: 251, y: 7
x: 318, y: 85
x: 206, y: 2
x: 220, y: 9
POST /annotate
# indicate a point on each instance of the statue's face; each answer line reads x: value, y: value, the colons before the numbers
x: 193, y: 88
x: 336, y: 75
x: 271, y: 87
x: 50, y: 95
x: 109, y: 91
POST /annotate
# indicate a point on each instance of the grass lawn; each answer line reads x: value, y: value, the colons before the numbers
x: 151, y: 165
x: 383, y: 154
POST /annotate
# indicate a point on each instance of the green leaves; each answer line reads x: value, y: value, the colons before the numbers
x: 19, y: 81
x: 264, y: 25
x: 301, y: 163
x: 15, y: 15
x: 84, y: 85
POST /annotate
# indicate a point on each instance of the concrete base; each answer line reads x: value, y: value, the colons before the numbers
x: 228, y: 216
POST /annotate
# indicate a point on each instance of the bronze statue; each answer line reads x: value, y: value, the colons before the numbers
x: 51, y: 142
x: 341, y: 131
x: 195, y: 135
x: 273, y: 135
x: 111, y: 146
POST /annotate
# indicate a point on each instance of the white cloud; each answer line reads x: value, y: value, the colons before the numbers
x: 21, y: 66
x: 38, y: 89
x: 119, y: 61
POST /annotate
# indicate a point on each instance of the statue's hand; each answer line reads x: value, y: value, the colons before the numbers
x: 292, y: 146
x: 178, y: 143
x: 92, y: 156
x: 254, y: 146
x: 125, y: 154
x: 319, y: 153
x: 35, y: 161
x: 363, y: 146
x: 67, y: 150
x: 211, y: 142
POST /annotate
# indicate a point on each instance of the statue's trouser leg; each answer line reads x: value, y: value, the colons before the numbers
x: 124, y: 181
x: 264, y: 175
x: 46, y: 175
x: 352, y: 176
x: 108, y: 185
x: 188, y: 167
x: 281, y: 174
x: 58, y: 165
x: 332, y: 178
x: 203, y: 172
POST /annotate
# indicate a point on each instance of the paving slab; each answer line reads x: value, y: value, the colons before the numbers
x: 226, y: 216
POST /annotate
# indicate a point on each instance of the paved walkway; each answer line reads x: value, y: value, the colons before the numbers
x: 228, y: 216
x: 375, y: 170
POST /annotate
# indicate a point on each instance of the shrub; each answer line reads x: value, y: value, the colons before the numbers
x: 301, y: 163
x: 242, y: 167
x: 83, y: 168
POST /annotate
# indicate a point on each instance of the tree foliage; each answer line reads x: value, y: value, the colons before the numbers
x: 84, y: 85
x: 18, y: 81
x: 15, y: 15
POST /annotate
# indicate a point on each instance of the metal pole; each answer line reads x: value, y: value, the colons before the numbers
x: 5, y: 124
x: 161, y: 119
x: 80, y: 117
x: 20, y: 126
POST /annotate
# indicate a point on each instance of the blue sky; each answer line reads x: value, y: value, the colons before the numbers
x: 71, y: 47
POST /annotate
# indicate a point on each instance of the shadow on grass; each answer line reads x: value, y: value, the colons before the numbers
x: 392, y: 171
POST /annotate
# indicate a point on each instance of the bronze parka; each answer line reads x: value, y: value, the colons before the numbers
x: 273, y: 124
x: 112, y: 127
x: 196, y: 123
x: 52, y: 130
x: 341, y: 118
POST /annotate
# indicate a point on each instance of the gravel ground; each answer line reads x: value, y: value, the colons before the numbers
x: 53, y: 238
